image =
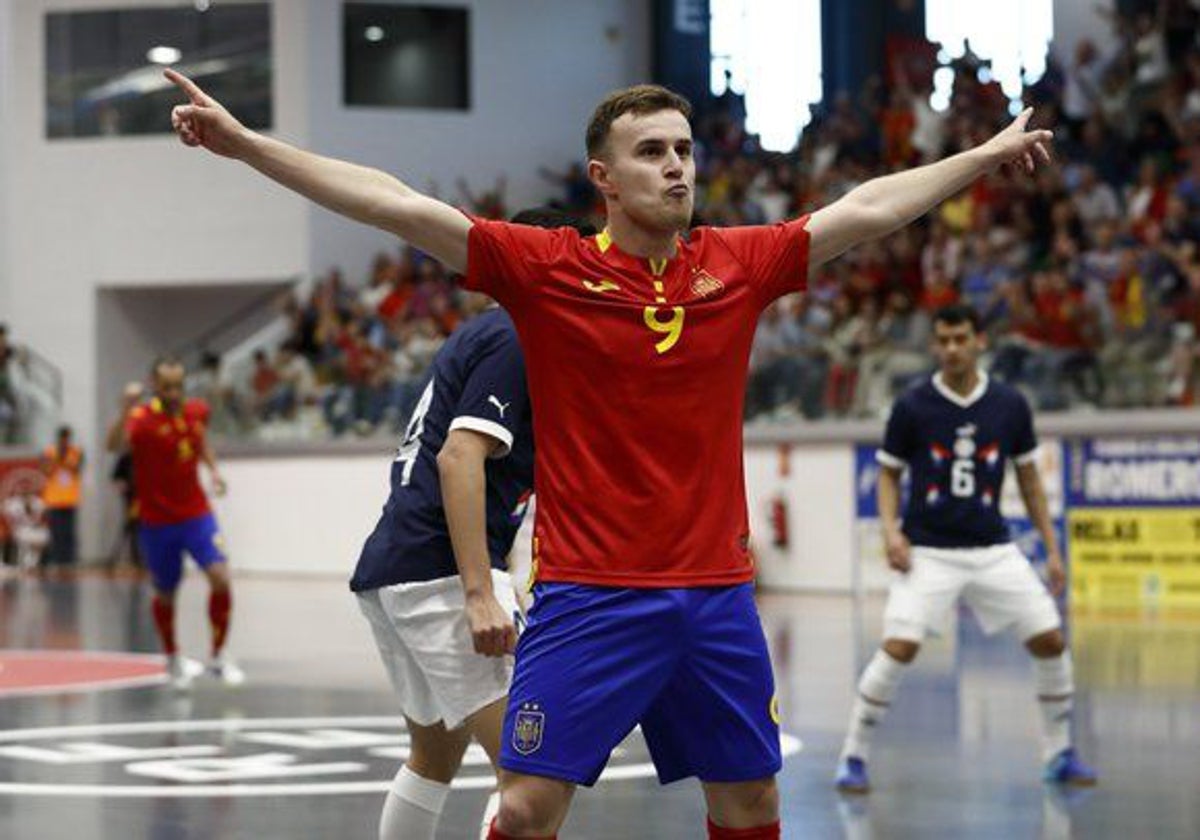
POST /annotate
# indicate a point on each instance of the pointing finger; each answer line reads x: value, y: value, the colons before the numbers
x: 193, y: 91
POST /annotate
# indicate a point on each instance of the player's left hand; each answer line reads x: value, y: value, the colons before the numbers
x: 1017, y: 146
x: 492, y: 628
x: 218, y: 485
x: 1056, y: 575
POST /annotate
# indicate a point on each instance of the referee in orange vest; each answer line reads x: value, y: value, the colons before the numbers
x: 62, y: 464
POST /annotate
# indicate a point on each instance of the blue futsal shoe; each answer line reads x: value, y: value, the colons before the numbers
x: 852, y: 776
x: 1067, y: 769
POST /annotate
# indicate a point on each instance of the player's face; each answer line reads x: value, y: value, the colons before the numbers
x: 648, y: 171
x: 168, y: 386
x: 957, y: 347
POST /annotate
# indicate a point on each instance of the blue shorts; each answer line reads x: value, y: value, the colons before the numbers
x: 690, y: 665
x: 163, y: 547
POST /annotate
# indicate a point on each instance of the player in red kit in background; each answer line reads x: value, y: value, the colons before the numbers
x: 166, y: 438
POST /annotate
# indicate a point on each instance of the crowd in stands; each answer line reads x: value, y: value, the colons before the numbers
x: 1087, y: 274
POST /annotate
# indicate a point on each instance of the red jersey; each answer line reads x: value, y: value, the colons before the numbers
x: 166, y: 450
x: 637, y: 376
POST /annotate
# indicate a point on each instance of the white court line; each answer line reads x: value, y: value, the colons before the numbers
x: 790, y: 745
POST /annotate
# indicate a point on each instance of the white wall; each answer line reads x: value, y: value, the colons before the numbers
x: 538, y: 69
x: 5, y: 135
x: 310, y: 515
x: 83, y: 214
x: 818, y: 495
x: 304, y: 516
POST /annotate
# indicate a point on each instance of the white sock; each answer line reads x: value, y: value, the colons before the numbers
x: 1054, y: 679
x: 876, y: 687
x: 489, y: 814
x: 412, y: 808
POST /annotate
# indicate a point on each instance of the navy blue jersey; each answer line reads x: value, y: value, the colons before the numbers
x: 956, y: 449
x: 478, y: 383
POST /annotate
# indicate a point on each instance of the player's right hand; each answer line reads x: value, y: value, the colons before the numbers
x: 204, y: 121
x: 899, y: 552
x: 492, y: 628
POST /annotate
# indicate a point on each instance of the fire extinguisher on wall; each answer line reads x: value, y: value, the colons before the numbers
x: 779, y: 506
x: 779, y: 521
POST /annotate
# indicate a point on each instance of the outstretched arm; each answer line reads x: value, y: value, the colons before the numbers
x: 885, y: 204
x: 358, y: 192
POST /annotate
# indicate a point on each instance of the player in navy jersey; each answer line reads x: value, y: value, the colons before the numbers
x: 431, y: 579
x: 955, y: 433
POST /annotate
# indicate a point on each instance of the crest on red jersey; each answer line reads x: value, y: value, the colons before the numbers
x: 705, y: 285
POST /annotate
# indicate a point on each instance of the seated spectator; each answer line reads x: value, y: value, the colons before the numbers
x: 210, y: 383
x: 1138, y: 339
x: 1095, y: 201
x: 1185, y: 342
x: 296, y: 384
x: 900, y: 354
x: 264, y: 380
x: 1064, y: 368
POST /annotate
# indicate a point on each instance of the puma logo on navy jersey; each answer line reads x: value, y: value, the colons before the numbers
x: 501, y: 407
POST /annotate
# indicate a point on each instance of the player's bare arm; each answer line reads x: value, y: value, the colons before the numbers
x: 894, y: 542
x: 461, y: 464
x: 209, y: 457
x: 117, y: 438
x: 883, y: 205
x: 1034, y: 496
x: 358, y: 192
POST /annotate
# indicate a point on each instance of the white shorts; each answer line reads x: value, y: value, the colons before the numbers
x: 423, y: 637
x: 997, y: 582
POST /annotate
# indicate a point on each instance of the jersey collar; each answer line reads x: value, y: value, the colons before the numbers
x: 958, y: 399
x: 657, y: 267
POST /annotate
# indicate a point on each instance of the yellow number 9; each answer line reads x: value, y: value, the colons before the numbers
x: 672, y: 329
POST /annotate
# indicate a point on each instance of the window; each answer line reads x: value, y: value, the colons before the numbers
x: 770, y: 52
x: 1014, y: 36
x: 104, y: 68
x: 406, y: 56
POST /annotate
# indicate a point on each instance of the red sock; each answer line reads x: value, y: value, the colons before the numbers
x: 163, y: 610
x: 220, y: 605
x: 496, y: 834
x: 759, y: 832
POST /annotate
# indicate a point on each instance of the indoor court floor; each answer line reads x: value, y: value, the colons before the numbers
x: 306, y: 748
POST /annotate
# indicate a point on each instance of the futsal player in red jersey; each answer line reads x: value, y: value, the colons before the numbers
x: 167, y: 441
x: 636, y: 343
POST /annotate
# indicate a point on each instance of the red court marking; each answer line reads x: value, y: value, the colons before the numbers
x: 27, y: 672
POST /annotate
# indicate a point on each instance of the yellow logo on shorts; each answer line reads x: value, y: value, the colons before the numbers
x: 775, y: 709
x: 218, y: 542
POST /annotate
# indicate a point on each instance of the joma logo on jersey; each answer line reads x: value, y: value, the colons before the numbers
x: 601, y: 287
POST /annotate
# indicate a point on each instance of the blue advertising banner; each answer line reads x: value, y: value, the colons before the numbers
x: 1127, y: 472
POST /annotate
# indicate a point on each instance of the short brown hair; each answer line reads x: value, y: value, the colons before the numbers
x: 639, y: 100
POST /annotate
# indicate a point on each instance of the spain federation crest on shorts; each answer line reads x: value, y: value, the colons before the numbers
x: 528, y: 727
